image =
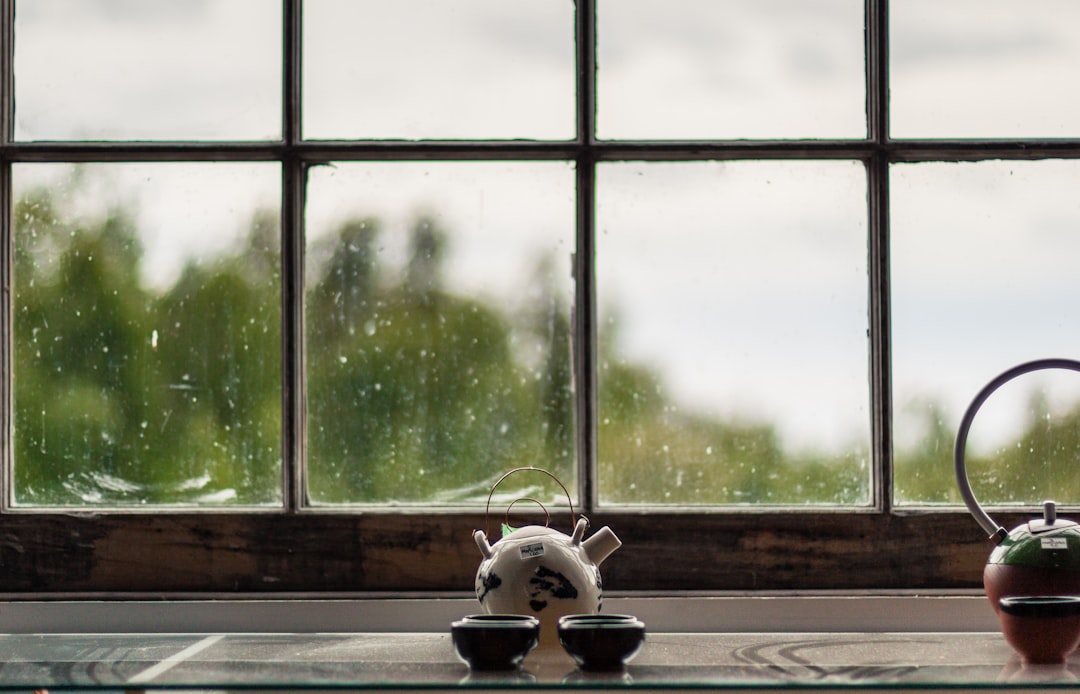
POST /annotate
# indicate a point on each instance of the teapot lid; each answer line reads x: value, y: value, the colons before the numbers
x: 1047, y: 542
x: 1049, y: 522
x: 526, y: 532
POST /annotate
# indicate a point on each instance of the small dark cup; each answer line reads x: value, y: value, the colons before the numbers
x: 598, y: 618
x: 494, y: 641
x: 1042, y: 629
x: 601, y: 642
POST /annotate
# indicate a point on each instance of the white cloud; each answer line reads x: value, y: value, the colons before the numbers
x: 106, y: 70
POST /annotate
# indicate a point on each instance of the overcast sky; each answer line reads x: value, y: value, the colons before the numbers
x: 744, y: 283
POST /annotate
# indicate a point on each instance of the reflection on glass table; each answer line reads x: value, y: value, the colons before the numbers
x: 425, y: 660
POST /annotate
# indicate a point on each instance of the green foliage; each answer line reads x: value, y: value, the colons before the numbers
x: 132, y: 394
x: 129, y: 395
x: 1039, y: 464
x: 652, y: 452
x: 415, y: 394
x: 924, y: 471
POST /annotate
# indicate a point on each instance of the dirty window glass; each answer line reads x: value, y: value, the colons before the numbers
x: 984, y: 278
x: 751, y: 69
x: 733, y: 323
x: 438, y: 328
x: 983, y: 68
x: 147, y: 334
x: 435, y: 297
x: 418, y: 69
x: 147, y: 69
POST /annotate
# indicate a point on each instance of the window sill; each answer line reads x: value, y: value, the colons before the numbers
x: 956, y: 611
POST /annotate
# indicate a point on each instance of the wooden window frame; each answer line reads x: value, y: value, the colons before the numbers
x: 299, y: 549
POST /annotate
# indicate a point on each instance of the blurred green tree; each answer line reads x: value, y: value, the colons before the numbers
x: 126, y: 393
x: 436, y: 402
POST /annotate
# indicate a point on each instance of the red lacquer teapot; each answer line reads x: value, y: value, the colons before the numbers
x: 1037, y: 558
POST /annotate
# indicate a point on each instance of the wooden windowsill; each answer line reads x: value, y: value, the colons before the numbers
x: 732, y: 613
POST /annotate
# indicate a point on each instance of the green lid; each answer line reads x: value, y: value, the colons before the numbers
x: 1057, y: 548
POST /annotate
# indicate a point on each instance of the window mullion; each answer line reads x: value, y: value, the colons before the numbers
x: 877, y: 70
x: 7, y: 72
x: 292, y: 267
x: 585, y: 47
x: 880, y: 332
x: 291, y: 47
x: 877, y: 113
x: 584, y: 346
x: 293, y: 182
x: 7, y: 122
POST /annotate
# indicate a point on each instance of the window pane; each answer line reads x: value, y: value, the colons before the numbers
x: 147, y: 334
x: 438, y: 350
x: 733, y: 351
x: 984, y: 278
x: 147, y: 69
x: 743, y: 69
x: 984, y: 68
x: 438, y: 69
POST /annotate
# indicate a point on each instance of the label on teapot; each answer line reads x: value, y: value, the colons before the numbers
x: 535, y: 549
x: 1054, y: 543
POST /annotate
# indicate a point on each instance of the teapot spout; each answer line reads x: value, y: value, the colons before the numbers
x: 482, y: 543
x: 602, y: 543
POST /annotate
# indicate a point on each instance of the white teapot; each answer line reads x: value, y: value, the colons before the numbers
x: 536, y: 570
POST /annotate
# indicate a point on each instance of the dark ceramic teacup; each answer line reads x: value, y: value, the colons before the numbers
x: 601, y: 642
x: 494, y: 641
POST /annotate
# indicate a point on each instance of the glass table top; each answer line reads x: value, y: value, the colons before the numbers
x: 427, y: 661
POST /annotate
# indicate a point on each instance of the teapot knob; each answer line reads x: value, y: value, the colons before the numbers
x: 1049, y: 512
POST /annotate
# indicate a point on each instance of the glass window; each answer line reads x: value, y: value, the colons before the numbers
x: 982, y: 259
x: 748, y: 69
x: 983, y: 69
x: 147, y: 334
x: 145, y: 70
x: 314, y: 274
x: 415, y: 69
x: 733, y: 348
x: 438, y: 328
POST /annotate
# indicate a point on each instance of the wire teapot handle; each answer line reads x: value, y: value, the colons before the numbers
x: 996, y: 532
x: 506, y: 518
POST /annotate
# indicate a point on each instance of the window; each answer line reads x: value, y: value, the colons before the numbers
x: 282, y: 303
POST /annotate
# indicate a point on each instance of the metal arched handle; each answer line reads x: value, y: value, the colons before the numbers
x: 996, y: 532
x: 527, y: 468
